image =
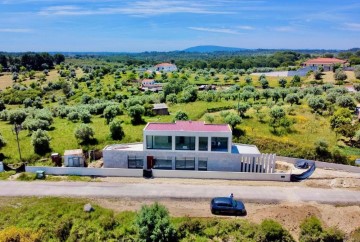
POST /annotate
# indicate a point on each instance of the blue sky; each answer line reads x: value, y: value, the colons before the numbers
x: 159, y: 25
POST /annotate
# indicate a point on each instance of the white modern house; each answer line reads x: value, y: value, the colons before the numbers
x: 165, y: 67
x: 188, y: 145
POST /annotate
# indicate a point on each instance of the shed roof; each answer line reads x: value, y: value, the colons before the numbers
x: 74, y: 152
x: 160, y: 106
x: 192, y: 126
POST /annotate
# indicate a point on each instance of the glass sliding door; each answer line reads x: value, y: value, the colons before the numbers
x: 158, y: 142
x: 184, y: 143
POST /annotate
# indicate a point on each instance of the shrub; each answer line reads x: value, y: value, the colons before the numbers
x: 180, y: 115
x: 73, y: 116
x: 340, y: 75
x: 110, y: 112
x: 355, y: 235
x: 116, y: 130
x: 154, y: 224
x: 271, y: 230
x: 85, y: 116
x: 84, y: 133
x: 2, y: 141
x: 345, y: 101
x: 2, y: 105
x: 310, y: 230
x: 14, y: 234
x: 136, y: 112
x: 40, y: 140
x: 33, y: 124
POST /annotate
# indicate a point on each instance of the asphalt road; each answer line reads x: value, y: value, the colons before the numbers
x: 178, y: 191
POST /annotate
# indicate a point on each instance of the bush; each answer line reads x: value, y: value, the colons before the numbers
x: 154, y: 224
x: 14, y: 234
x: 33, y: 124
x: 2, y: 141
x: 2, y: 105
x: 110, y: 112
x: 73, y: 116
x: 311, y: 231
x: 180, y: 115
x: 271, y: 230
x: 84, y: 133
x: 40, y: 140
x: 116, y: 130
x: 340, y: 75
x: 136, y: 112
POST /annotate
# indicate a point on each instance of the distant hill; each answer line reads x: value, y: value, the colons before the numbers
x: 212, y: 48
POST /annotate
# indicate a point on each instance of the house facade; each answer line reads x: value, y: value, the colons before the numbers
x: 185, y: 145
x: 327, y: 63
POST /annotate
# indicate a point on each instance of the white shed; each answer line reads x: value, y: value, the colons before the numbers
x: 74, y: 158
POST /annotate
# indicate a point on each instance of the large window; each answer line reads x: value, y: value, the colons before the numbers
x: 203, y: 143
x: 158, y: 142
x: 163, y: 163
x: 184, y: 143
x: 219, y: 144
x: 185, y: 163
x: 136, y: 162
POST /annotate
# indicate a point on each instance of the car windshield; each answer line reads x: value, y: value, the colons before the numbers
x: 234, y: 203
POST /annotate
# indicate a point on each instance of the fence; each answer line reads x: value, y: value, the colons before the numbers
x: 324, y: 165
x: 262, y: 164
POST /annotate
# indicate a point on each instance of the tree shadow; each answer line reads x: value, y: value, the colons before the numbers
x: 238, y: 132
x: 92, y: 141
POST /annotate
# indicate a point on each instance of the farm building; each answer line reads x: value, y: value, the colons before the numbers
x: 74, y: 158
x: 161, y: 109
x: 165, y: 67
x: 150, y: 84
x: 188, y: 145
x: 327, y: 63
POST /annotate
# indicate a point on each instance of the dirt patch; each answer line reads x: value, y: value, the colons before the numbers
x: 290, y: 215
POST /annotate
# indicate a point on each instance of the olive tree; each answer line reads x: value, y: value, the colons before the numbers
x: 40, y: 140
x: 136, y: 112
x: 233, y: 119
x: 84, y: 133
x: 116, y: 130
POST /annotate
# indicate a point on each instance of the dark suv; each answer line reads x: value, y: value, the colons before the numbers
x: 227, y: 206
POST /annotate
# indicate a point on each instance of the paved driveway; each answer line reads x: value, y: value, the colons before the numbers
x: 179, y: 191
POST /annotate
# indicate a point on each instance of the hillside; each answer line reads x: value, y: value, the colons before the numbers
x: 212, y: 48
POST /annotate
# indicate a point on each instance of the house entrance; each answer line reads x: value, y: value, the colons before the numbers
x: 150, y: 162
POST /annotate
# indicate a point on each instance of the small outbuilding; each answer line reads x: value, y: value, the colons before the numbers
x: 74, y: 158
x: 161, y: 109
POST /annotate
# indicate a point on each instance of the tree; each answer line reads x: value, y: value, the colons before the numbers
x: 282, y: 82
x: 110, y: 112
x: 233, y: 119
x: 248, y: 80
x: 59, y: 58
x: 341, y: 117
x: 154, y: 225
x: 242, y: 108
x: 84, y: 133
x: 292, y: 98
x: 340, y: 75
x: 2, y: 105
x: 180, y: 115
x: 136, y: 112
x: 116, y: 130
x: 295, y: 81
x: 317, y: 103
x: 264, y: 83
x: 40, y: 140
x: 277, y: 117
x: 345, y: 101
x: 17, y: 116
x: 271, y: 230
x: 318, y: 75
x: 322, y: 149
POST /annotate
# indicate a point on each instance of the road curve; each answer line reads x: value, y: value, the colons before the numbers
x: 178, y: 191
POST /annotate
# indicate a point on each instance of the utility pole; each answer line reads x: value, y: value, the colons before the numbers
x: 17, y: 129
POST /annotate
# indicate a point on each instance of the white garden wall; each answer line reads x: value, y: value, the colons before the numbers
x: 221, y: 175
x: 81, y: 171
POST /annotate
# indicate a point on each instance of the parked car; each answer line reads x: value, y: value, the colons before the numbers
x: 227, y: 206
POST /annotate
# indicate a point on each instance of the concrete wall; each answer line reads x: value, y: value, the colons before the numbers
x: 80, y: 171
x: 217, y: 161
x: 1, y: 167
x: 321, y: 164
x: 222, y: 175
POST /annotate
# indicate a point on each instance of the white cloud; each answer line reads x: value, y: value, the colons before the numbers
x: 284, y: 29
x: 352, y: 26
x: 245, y: 27
x: 9, y: 30
x: 215, y: 30
x: 138, y: 8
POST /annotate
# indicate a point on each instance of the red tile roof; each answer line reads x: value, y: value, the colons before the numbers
x: 324, y: 61
x: 192, y: 126
x: 164, y: 64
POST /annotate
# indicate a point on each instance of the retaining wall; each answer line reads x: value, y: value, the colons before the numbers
x: 86, y: 171
x: 221, y: 175
x: 320, y: 164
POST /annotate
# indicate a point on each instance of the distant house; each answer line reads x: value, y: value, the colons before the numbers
x: 74, y: 158
x: 161, y: 109
x: 165, y: 67
x: 327, y: 63
x: 151, y: 85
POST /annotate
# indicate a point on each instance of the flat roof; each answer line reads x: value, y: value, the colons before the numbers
x: 160, y: 106
x: 73, y: 152
x: 324, y: 61
x: 192, y: 126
